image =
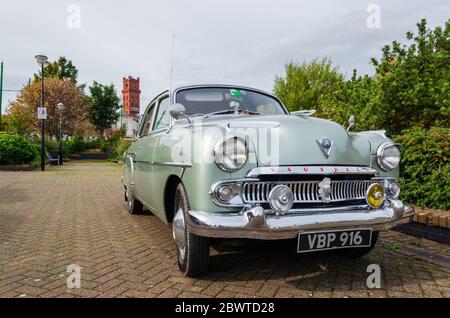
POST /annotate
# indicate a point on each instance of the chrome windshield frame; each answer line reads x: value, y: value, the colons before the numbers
x: 183, y: 88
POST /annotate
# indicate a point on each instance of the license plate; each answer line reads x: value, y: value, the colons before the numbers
x: 330, y: 240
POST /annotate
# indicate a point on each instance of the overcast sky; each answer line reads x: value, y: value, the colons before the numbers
x: 240, y: 42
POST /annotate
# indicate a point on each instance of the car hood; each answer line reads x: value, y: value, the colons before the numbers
x: 296, y: 140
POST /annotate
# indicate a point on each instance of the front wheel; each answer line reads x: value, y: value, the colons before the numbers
x: 361, y: 251
x: 192, y: 250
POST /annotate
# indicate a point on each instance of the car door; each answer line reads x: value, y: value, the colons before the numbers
x: 156, y: 181
x: 143, y: 157
x: 157, y: 120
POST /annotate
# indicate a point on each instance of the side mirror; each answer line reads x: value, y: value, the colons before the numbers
x: 178, y: 111
x: 351, y: 122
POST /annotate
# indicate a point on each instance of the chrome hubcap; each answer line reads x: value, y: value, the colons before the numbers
x: 179, y: 233
x: 129, y: 203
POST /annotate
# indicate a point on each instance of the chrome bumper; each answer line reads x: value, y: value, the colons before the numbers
x: 255, y: 223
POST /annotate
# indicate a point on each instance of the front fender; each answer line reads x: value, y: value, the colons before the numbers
x: 376, y: 138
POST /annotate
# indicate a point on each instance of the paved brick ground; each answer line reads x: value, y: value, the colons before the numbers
x: 76, y: 215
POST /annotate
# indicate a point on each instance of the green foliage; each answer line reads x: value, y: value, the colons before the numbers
x: 360, y: 97
x: 72, y: 146
x: 105, y: 145
x: 16, y: 149
x: 412, y: 85
x: 411, y: 88
x: 318, y: 85
x: 104, y: 106
x: 119, y: 149
x: 414, y: 79
x: 77, y: 144
x: 394, y: 246
x: 62, y: 69
x: 51, y: 145
x: 425, y: 167
x: 307, y: 85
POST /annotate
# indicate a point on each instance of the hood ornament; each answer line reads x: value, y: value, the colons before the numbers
x: 325, y: 190
x: 325, y: 144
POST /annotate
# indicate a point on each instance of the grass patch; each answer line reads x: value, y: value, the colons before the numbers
x: 394, y: 246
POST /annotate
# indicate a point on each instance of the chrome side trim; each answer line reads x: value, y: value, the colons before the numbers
x: 309, y: 170
x: 173, y: 164
x: 168, y: 164
x: 325, y: 210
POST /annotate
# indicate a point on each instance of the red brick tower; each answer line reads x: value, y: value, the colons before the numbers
x: 131, y: 96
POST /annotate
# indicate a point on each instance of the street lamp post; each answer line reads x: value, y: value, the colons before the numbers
x: 42, y: 60
x: 60, y: 108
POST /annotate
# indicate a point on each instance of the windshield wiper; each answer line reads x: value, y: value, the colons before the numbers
x: 232, y: 111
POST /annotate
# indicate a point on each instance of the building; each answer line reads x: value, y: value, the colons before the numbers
x: 131, y: 97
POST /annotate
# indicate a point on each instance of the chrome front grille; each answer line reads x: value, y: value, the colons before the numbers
x: 306, y: 191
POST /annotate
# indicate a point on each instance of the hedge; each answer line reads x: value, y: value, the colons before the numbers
x: 16, y: 150
x: 425, y: 167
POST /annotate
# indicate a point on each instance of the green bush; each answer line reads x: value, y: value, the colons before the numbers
x: 16, y: 150
x: 119, y: 149
x: 77, y: 144
x: 105, y: 145
x: 425, y: 167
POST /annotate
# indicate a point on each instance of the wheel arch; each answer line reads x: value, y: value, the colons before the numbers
x: 128, y: 171
x: 169, y: 195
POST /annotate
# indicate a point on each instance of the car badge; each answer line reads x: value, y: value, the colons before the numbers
x: 325, y: 144
x: 325, y: 190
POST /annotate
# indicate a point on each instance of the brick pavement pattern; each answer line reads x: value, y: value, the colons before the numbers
x: 75, y: 214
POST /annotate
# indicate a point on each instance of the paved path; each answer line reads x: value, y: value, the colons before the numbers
x: 76, y: 215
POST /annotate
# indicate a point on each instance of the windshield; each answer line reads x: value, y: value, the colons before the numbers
x: 203, y: 101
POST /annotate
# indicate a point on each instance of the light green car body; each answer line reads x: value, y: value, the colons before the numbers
x: 151, y: 169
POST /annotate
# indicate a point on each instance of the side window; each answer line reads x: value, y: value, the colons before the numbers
x: 146, y: 128
x: 162, y: 116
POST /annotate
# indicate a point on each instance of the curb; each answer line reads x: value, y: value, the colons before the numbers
x: 437, y: 234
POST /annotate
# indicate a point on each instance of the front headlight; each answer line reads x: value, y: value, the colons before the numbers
x: 231, y: 154
x: 388, y: 156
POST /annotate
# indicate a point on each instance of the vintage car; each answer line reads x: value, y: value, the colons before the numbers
x: 230, y: 162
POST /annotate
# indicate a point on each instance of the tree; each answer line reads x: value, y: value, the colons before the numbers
x: 308, y: 85
x: 105, y: 103
x: 62, y: 69
x: 23, y: 111
x: 414, y: 79
x: 358, y: 96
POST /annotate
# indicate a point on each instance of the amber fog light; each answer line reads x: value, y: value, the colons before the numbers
x: 375, y: 195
